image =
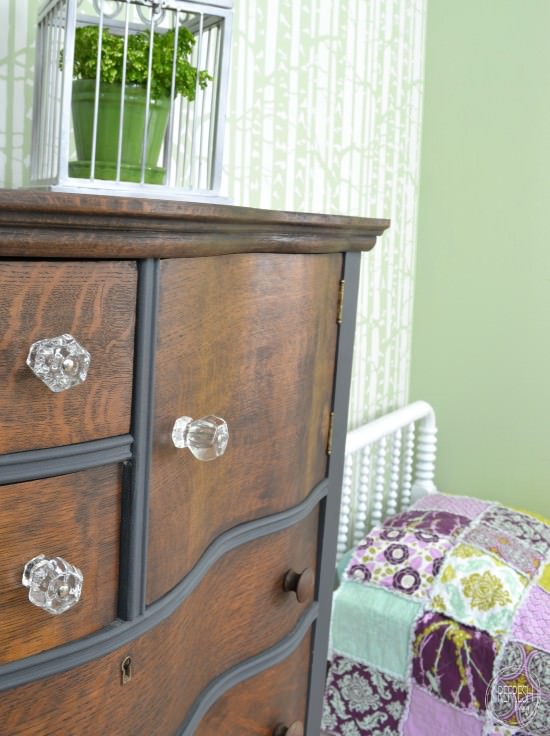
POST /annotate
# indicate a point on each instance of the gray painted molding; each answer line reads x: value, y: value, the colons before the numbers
x: 134, y: 515
x: 331, y: 505
x: 79, y: 652
x: 33, y: 464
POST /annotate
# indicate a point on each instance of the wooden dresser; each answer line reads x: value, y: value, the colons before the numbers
x: 174, y: 381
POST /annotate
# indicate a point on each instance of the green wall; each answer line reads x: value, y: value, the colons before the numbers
x: 481, y: 337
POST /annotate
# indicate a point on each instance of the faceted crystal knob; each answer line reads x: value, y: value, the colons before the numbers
x: 61, y: 362
x: 54, y: 585
x: 206, y: 438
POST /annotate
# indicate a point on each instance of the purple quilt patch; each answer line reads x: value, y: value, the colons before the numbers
x: 510, y: 549
x: 442, y: 523
x: 453, y: 661
x: 429, y: 717
x: 461, y: 505
x: 532, y: 620
x: 399, y: 559
x: 361, y: 700
x: 527, y: 529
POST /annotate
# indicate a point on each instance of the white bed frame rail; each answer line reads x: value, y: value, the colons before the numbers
x: 389, y: 463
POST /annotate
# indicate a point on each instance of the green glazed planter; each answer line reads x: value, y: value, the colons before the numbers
x: 107, y: 132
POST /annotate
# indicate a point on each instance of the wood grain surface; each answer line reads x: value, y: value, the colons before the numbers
x: 251, y: 339
x: 94, y: 302
x: 57, y: 225
x: 238, y: 610
x: 74, y: 516
x: 257, y: 705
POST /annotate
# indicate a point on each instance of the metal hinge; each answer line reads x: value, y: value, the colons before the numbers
x: 330, y: 432
x: 340, y: 308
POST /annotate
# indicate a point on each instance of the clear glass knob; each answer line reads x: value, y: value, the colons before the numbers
x: 61, y: 362
x: 206, y: 437
x: 54, y: 585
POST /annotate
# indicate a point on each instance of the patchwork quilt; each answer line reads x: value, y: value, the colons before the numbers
x: 441, y: 626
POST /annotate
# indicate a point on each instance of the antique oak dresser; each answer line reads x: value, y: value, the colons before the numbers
x: 174, y: 380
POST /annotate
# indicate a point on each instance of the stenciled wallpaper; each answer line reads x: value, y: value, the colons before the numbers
x: 324, y: 115
x: 17, y: 32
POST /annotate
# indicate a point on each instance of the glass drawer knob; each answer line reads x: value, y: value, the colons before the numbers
x: 54, y: 585
x: 206, y: 437
x: 61, y: 362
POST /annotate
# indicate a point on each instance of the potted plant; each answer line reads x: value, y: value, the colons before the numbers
x: 135, y: 114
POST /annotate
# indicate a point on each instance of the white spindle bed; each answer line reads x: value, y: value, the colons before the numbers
x: 390, y: 462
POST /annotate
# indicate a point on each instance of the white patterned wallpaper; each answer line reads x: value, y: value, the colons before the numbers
x: 324, y: 115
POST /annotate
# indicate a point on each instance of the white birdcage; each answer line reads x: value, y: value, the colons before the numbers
x: 130, y: 97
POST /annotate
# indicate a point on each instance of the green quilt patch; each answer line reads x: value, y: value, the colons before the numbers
x: 383, y: 637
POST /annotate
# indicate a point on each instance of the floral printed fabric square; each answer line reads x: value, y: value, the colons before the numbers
x: 526, y: 528
x: 510, y: 549
x: 443, y: 523
x: 478, y: 589
x: 360, y: 700
x: 443, y: 625
x: 399, y: 559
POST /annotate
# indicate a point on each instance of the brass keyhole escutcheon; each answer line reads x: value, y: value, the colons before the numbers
x: 126, y: 668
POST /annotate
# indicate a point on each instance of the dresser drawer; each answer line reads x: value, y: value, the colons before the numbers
x: 238, y: 610
x: 250, y: 338
x: 257, y: 706
x: 76, y: 517
x: 95, y: 303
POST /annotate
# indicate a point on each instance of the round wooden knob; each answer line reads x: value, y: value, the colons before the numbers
x: 295, y: 729
x: 303, y: 584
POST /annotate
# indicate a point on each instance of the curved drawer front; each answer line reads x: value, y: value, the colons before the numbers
x: 258, y: 705
x: 238, y: 610
x: 93, y: 302
x: 252, y: 339
x: 76, y: 517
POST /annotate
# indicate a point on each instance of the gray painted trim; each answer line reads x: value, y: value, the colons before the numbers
x: 135, y: 500
x: 80, y: 652
x: 330, y: 509
x: 250, y: 667
x: 33, y: 464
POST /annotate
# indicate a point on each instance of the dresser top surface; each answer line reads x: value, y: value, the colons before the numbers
x: 42, y: 224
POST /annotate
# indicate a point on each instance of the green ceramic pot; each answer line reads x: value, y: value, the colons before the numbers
x: 107, y: 131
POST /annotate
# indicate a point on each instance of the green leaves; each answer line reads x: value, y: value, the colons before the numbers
x: 137, y: 64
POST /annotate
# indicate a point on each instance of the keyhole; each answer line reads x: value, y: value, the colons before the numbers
x: 126, y: 668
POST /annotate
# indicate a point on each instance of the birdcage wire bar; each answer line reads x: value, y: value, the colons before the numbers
x: 190, y: 159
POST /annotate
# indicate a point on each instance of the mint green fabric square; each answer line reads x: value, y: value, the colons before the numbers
x: 374, y: 626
